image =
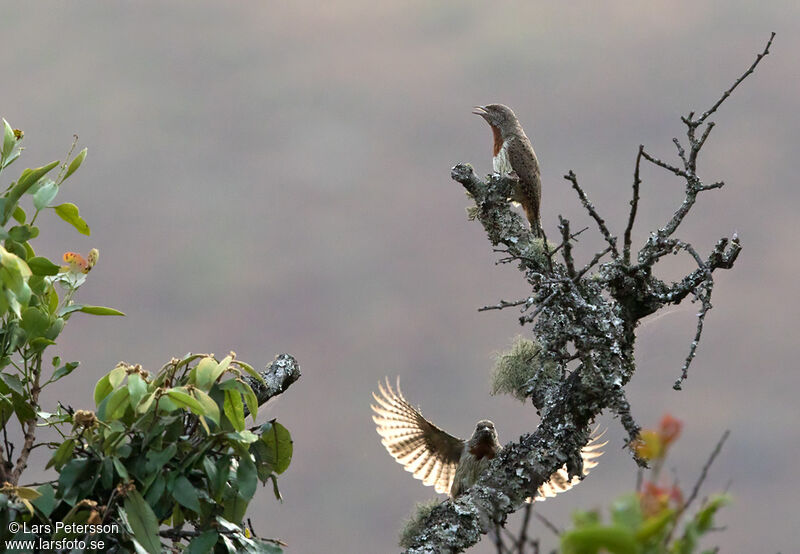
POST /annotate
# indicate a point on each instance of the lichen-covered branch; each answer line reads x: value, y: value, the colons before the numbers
x: 587, y: 316
x: 278, y: 375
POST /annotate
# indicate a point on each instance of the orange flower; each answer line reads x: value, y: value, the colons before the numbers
x: 669, y: 428
x: 652, y: 444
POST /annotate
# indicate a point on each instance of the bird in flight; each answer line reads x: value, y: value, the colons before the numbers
x: 450, y: 464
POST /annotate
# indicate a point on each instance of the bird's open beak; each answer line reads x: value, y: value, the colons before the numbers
x: 480, y: 110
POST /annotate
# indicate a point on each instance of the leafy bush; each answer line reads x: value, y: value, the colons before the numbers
x: 646, y: 522
x: 166, y: 457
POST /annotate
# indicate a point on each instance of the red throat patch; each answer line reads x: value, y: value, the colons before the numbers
x: 498, y: 140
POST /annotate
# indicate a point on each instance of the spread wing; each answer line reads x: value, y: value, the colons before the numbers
x: 560, y: 481
x: 420, y: 446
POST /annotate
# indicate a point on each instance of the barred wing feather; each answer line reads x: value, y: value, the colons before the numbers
x: 423, y: 449
x: 560, y: 481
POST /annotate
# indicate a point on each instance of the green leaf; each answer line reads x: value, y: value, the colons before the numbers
x: 115, y: 406
x: 19, y: 214
x: 654, y: 525
x: 55, y: 328
x: 157, y: 459
x: 626, y: 512
x: 136, y: 387
x: 253, y: 373
x: 52, y: 299
x: 245, y: 437
x: 184, y: 492
x: 275, y: 490
x: 122, y: 471
x: 99, y: 310
x: 185, y: 400
x: 223, y: 469
x: 251, y: 400
x: 107, y: 473
x: 62, y: 454
x: 64, y: 370
x: 13, y: 383
x: 38, y: 344
x: 47, y: 499
x: 69, y: 213
x: 75, y: 164
x: 246, y: 478
x: 34, y: 322
x: 279, y: 446
x: 705, y: 517
x: 9, y: 140
x: 102, y: 389
x: 234, y: 409
x: 234, y: 506
x: 592, y: 538
x: 23, y: 233
x: 210, y: 408
x: 72, y: 473
x: 156, y: 489
x: 203, y: 543
x: 28, y: 178
x: 116, y: 376
x: 46, y: 193
x: 14, y: 275
x: 208, y: 371
x: 143, y: 522
x: 145, y: 403
x: 22, y: 408
x: 42, y: 266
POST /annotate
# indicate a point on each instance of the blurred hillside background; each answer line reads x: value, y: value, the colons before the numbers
x: 274, y: 177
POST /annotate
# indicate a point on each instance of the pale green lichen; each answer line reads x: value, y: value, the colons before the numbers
x: 414, y: 524
x: 517, y: 371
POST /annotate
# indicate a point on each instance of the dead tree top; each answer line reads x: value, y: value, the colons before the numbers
x: 583, y: 314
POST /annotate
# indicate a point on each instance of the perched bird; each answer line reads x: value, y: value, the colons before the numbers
x: 450, y: 464
x: 513, y: 155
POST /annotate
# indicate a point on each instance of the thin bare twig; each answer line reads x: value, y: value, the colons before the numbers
x: 736, y: 83
x: 665, y: 165
x: 572, y: 236
x: 592, y: 263
x: 503, y: 304
x: 626, y: 243
x: 568, y: 260
x: 523, y: 532
x: 610, y: 239
x: 699, y: 482
x: 549, y: 524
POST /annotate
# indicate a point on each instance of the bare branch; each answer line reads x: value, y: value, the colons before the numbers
x: 567, y: 252
x: 699, y: 482
x: 592, y: 263
x: 278, y: 375
x: 611, y: 240
x: 665, y: 165
x: 572, y: 236
x: 504, y: 304
x: 736, y: 83
x: 626, y: 245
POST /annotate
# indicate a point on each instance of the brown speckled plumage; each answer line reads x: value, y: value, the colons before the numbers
x: 513, y: 155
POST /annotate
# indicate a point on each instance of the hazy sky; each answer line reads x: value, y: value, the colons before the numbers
x: 273, y: 177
